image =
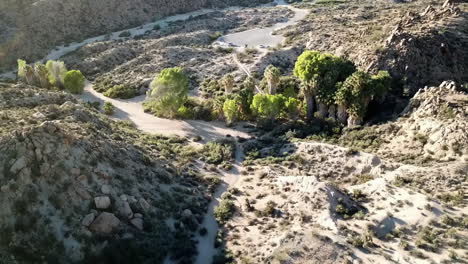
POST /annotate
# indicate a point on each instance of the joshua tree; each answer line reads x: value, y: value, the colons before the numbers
x: 228, y: 83
x: 272, y: 76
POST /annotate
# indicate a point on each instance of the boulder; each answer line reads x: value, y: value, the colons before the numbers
x: 105, y: 223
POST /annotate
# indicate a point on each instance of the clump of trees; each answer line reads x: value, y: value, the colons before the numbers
x: 323, y: 86
x: 53, y: 74
x: 169, y: 92
x: 332, y: 86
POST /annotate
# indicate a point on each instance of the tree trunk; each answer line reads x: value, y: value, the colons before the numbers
x: 354, y: 121
x: 341, y: 114
x: 322, y: 110
x: 272, y: 88
x: 332, y: 111
x: 310, y: 106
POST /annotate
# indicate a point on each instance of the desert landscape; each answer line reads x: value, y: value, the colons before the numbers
x: 326, y: 131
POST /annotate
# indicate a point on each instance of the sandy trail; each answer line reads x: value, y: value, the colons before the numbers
x: 132, y: 109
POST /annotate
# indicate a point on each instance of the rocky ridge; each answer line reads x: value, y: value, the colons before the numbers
x: 359, y: 207
x: 78, y: 187
x: 31, y: 27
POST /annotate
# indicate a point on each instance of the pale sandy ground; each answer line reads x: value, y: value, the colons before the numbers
x: 132, y: 109
x: 263, y: 37
x: 299, y: 194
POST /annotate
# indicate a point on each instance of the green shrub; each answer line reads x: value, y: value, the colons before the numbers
x: 196, y: 109
x: 231, y: 111
x: 108, y: 108
x: 224, y: 211
x: 219, y: 151
x: 121, y: 91
x: 168, y: 92
x: 74, y: 81
x: 267, y: 106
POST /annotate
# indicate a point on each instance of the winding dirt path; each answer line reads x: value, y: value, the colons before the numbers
x: 132, y: 109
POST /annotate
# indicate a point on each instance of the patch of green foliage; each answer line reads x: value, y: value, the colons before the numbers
x: 224, y: 211
x: 121, y: 91
x: 74, y: 81
x: 168, y: 93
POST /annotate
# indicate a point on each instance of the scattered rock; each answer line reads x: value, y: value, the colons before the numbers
x: 138, y: 223
x: 105, y: 223
x: 88, y: 219
x: 144, y: 204
x: 102, y: 202
x: 106, y: 189
x: 126, y: 210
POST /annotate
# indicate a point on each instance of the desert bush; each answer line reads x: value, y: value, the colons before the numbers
x: 108, y: 108
x: 56, y: 73
x: 168, y: 92
x: 74, y: 81
x: 121, y: 91
x: 197, y: 110
x: 224, y: 211
x: 231, y: 111
x: 289, y: 86
x: 267, y: 106
x: 218, y: 151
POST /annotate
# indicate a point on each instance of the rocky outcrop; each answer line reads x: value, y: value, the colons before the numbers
x: 427, y: 48
x: 70, y: 176
x: 33, y: 27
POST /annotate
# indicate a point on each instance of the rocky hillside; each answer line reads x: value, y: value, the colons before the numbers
x: 133, y: 63
x: 419, y: 42
x: 29, y: 28
x: 78, y: 187
x: 403, y: 200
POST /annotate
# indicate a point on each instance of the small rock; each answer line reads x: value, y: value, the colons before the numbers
x: 75, y: 171
x: 128, y: 236
x: 137, y: 215
x: 131, y: 199
x: 138, y: 223
x: 123, y: 197
x: 126, y: 210
x: 102, y: 202
x: 83, y: 193
x: 144, y: 204
x: 186, y: 213
x: 106, y: 189
x: 105, y: 223
x: 88, y: 220
x: 39, y: 115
